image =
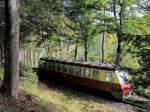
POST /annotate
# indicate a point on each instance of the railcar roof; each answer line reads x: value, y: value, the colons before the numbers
x: 101, y: 66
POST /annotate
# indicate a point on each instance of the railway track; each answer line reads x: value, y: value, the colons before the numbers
x: 142, y: 104
x: 139, y: 104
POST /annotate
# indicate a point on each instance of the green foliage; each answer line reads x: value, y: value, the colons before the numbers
x: 58, y: 26
x: 63, y: 100
x: 43, y: 19
x: 139, y: 89
x: 147, y: 92
x: 101, y: 110
x: 137, y: 25
x: 27, y: 74
x: 1, y: 73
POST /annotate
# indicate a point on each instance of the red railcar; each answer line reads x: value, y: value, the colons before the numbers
x: 104, y: 77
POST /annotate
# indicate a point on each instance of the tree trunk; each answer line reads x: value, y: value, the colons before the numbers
x: 2, y: 21
x: 103, y: 46
x: 75, y: 53
x: 119, y: 28
x: 119, y: 51
x: 60, y: 50
x: 11, y: 74
x: 85, y: 49
x: 104, y: 29
x: 68, y: 50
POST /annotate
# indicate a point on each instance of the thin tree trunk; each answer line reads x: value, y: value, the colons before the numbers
x: 56, y: 51
x: 119, y: 51
x: 60, y: 49
x: 11, y: 74
x: 103, y: 38
x: 103, y: 46
x: 30, y: 57
x: 85, y: 49
x: 2, y: 21
x: 68, y: 50
x: 76, y: 51
x: 119, y: 28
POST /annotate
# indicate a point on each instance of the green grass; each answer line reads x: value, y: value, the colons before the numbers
x: 62, y: 100
x: 1, y: 73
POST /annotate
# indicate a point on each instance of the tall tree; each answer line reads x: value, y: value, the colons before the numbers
x: 11, y: 73
x: 119, y: 24
x: 104, y: 31
x: 2, y: 29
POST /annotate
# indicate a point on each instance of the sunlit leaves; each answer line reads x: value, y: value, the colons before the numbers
x: 138, y: 25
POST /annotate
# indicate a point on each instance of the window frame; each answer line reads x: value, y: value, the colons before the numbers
x: 49, y: 65
x: 42, y: 64
x: 69, y: 70
x: 84, y: 74
x: 60, y: 65
x: 80, y: 70
x: 111, y: 76
x: 93, y: 76
x: 66, y: 68
x: 53, y: 67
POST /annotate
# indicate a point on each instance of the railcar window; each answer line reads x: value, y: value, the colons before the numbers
x: 47, y: 65
x: 71, y: 69
x: 41, y: 64
x: 64, y: 68
x: 50, y: 65
x: 78, y: 70
x: 95, y: 74
x: 109, y: 77
x: 53, y: 66
x: 86, y: 72
x: 58, y: 67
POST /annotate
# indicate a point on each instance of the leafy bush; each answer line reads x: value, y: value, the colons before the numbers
x: 140, y: 89
x: 27, y: 73
x: 1, y: 73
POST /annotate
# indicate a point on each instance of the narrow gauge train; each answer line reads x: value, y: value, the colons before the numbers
x: 104, y: 77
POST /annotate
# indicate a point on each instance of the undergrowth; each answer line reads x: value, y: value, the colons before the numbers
x: 54, y: 99
x: 63, y: 101
x: 1, y: 73
x: 27, y: 74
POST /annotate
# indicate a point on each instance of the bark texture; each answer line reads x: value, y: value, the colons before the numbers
x: 85, y: 48
x: 75, y: 52
x: 2, y: 33
x: 11, y: 74
x: 119, y: 51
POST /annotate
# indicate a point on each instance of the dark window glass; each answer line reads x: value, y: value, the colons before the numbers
x: 47, y: 65
x: 50, y: 65
x: 42, y: 64
x: 53, y: 66
x: 64, y: 68
x: 86, y: 72
x: 77, y: 70
x: 71, y: 69
x: 95, y: 74
x: 58, y: 67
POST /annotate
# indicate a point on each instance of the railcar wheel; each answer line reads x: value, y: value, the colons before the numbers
x: 117, y: 96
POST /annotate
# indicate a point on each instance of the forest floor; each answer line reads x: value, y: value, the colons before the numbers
x: 33, y: 98
x: 23, y: 104
x: 65, y: 99
x: 58, y: 98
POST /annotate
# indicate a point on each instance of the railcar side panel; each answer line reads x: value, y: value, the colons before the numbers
x: 101, y: 75
x: 94, y: 76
